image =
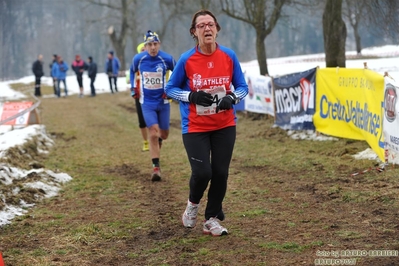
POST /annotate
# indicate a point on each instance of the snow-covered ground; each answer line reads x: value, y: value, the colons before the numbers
x: 50, y: 182
x: 292, y: 64
x: 41, y: 183
x: 101, y: 84
x: 47, y: 183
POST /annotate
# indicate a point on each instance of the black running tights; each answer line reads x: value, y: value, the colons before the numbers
x: 210, y: 154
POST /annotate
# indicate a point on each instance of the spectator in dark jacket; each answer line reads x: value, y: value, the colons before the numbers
x: 79, y: 66
x: 37, y: 69
x: 92, y: 71
x: 51, y: 73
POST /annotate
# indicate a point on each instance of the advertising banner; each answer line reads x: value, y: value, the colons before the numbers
x: 294, y: 97
x: 350, y: 105
x: 391, y: 121
x: 260, y: 96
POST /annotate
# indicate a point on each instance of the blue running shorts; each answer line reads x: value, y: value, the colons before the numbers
x: 157, y: 114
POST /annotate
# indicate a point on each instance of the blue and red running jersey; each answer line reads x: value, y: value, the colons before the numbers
x: 219, y: 74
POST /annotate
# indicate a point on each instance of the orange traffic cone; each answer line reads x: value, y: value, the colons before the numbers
x: 1, y: 260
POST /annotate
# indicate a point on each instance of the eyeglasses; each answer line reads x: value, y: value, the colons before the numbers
x: 202, y: 26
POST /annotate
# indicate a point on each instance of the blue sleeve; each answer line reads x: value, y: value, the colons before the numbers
x: 238, y: 79
x: 239, y: 83
x: 176, y: 87
x: 106, y: 66
x: 132, y: 72
x: 66, y: 67
x: 117, y: 64
x: 53, y: 71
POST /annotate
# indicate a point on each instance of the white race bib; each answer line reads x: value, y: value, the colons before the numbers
x: 152, y: 80
x: 217, y: 92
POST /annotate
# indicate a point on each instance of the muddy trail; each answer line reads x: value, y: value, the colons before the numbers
x: 289, y: 202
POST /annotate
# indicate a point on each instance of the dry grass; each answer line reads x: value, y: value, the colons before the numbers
x: 286, y: 198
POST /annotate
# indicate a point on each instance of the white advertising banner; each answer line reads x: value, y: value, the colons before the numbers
x: 260, y: 95
x: 391, y: 121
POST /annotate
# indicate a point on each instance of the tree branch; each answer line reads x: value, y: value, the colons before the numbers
x: 94, y: 2
x: 232, y: 12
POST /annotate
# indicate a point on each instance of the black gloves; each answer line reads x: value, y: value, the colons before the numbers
x: 226, y: 103
x: 201, y: 98
x: 206, y: 99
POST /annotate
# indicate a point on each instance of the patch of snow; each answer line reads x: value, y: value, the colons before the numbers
x: 49, y: 182
x: 367, y: 154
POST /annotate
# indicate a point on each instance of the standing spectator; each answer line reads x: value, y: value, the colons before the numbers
x: 152, y: 65
x: 92, y: 72
x: 37, y: 69
x: 51, y: 73
x: 201, y: 82
x: 79, y: 66
x: 59, y: 73
x: 112, y: 69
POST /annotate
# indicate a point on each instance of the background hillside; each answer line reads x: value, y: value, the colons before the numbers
x: 32, y: 27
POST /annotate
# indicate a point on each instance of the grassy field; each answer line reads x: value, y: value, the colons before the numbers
x: 289, y: 202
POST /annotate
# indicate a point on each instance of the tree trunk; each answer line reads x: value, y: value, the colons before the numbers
x: 334, y: 33
x: 119, y: 48
x: 261, y: 53
x: 119, y: 43
x: 120, y: 53
x: 357, y: 39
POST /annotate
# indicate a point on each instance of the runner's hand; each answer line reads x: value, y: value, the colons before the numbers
x: 201, y: 98
x: 226, y: 103
x: 164, y: 96
x: 135, y: 93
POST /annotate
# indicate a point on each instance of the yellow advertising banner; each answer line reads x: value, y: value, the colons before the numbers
x: 349, y: 104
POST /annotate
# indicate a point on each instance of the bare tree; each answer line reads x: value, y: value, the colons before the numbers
x: 174, y: 21
x: 353, y: 10
x: 371, y: 14
x: 262, y: 15
x: 57, y: 26
x: 177, y: 9
x: 4, y: 21
x: 169, y: 10
x: 383, y: 13
x: 334, y: 33
x: 118, y: 30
